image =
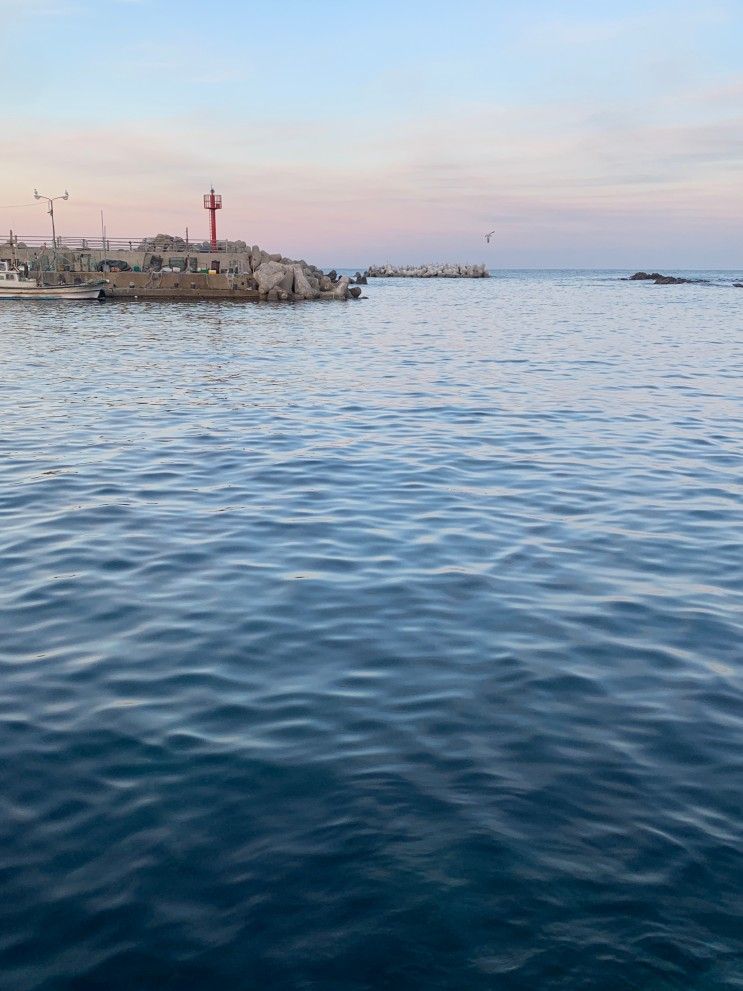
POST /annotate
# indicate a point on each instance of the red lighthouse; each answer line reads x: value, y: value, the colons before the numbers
x: 212, y: 203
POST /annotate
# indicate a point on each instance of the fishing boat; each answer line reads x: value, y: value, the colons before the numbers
x: 15, y: 284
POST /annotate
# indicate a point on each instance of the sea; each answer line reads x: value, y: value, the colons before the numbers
x: 389, y: 644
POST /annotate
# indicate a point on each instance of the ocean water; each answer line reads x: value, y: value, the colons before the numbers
x: 384, y: 645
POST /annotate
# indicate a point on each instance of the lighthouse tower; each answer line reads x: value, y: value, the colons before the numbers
x: 212, y: 203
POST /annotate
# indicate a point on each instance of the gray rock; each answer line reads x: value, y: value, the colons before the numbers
x: 268, y: 276
x: 340, y: 289
x: 661, y: 280
x: 302, y: 286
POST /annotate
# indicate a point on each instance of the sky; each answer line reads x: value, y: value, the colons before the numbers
x: 586, y: 134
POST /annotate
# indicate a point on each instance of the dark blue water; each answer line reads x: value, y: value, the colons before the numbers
x: 393, y: 644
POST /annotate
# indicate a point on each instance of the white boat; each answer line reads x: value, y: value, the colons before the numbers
x: 16, y: 285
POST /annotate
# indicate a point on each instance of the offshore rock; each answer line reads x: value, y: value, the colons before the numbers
x: 662, y: 280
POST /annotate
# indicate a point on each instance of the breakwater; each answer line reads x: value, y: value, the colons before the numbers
x: 169, y: 270
x: 429, y: 271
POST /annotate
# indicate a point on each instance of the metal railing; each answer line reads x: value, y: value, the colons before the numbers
x: 113, y: 244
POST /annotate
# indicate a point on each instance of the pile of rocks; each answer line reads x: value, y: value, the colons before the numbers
x: 171, y: 242
x: 276, y: 277
x: 162, y: 242
x: 431, y: 271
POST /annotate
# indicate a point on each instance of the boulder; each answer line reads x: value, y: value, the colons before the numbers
x: 325, y: 283
x: 268, y: 276
x: 354, y: 292
x: 339, y: 290
x: 302, y: 285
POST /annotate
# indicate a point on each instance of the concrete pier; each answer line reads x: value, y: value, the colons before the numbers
x: 171, y: 272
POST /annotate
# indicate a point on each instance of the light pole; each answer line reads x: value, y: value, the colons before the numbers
x: 50, y: 200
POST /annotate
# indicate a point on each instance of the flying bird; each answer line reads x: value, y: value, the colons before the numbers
x: 488, y: 236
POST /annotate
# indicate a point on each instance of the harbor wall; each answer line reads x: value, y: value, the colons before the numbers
x: 160, y: 285
x: 86, y: 261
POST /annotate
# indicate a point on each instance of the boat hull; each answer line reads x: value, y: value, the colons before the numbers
x: 91, y: 290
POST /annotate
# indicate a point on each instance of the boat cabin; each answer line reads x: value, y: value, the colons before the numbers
x: 8, y: 272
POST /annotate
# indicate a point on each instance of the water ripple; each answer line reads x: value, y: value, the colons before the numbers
x: 393, y: 646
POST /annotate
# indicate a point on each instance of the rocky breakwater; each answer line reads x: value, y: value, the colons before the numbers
x: 282, y: 278
x: 274, y: 277
x: 438, y: 271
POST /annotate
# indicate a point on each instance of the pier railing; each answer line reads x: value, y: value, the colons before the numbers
x: 113, y: 244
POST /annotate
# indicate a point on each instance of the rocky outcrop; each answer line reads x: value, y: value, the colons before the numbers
x: 431, y: 271
x: 661, y: 280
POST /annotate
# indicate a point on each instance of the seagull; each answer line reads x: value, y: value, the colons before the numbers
x: 488, y: 236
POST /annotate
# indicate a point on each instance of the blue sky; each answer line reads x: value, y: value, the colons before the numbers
x: 585, y: 134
